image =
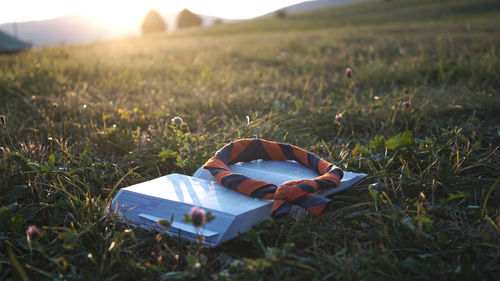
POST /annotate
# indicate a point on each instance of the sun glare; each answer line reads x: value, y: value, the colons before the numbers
x: 122, y: 12
x: 113, y: 14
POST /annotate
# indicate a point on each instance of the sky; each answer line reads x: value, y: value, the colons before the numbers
x: 119, y: 12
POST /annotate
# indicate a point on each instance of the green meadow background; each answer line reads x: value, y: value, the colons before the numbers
x: 420, y: 115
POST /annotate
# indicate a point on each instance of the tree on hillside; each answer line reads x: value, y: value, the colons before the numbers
x: 188, y: 19
x: 153, y: 22
x: 280, y: 13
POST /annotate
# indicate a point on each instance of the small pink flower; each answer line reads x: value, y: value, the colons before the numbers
x: 348, y: 72
x: 177, y: 120
x: 338, y: 116
x: 33, y: 232
x: 407, y: 103
x: 197, y: 216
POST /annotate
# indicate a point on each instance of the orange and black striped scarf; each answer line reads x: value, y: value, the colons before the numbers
x: 297, y: 192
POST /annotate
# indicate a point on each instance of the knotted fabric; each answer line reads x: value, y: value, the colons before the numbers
x: 298, y: 192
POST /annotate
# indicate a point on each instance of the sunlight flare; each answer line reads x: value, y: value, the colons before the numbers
x: 123, y: 12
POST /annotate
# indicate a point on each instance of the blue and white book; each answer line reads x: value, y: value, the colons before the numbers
x: 174, y: 195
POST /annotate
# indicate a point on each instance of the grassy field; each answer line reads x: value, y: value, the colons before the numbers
x: 420, y: 115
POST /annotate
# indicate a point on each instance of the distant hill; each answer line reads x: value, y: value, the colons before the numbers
x: 314, y: 5
x: 78, y: 29
x: 63, y: 30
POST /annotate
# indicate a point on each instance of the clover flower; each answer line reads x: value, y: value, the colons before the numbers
x: 407, y: 103
x: 33, y: 232
x: 338, y: 116
x: 348, y: 72
x: 197, y: 216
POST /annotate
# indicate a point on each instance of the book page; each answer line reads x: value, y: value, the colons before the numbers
x: 279, y: 172
x: 204, y: 193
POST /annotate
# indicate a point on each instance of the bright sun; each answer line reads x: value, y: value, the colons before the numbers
x: 117, y: 14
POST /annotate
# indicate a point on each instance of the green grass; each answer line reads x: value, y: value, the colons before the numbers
x: 82, y: 120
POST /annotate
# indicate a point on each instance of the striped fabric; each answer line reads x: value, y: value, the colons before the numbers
x: 298, y: 192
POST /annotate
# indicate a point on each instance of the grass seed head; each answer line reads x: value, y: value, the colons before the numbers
x: 177, y: 120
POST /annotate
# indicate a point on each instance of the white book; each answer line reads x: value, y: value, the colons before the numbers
x: 174, y: 195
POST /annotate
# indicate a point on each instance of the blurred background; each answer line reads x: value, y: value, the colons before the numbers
x: 56, y: 22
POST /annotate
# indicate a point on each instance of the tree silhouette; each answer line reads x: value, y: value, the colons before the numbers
x: 153, y: 22
x: 281, y: 13
x: 188, y: 19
